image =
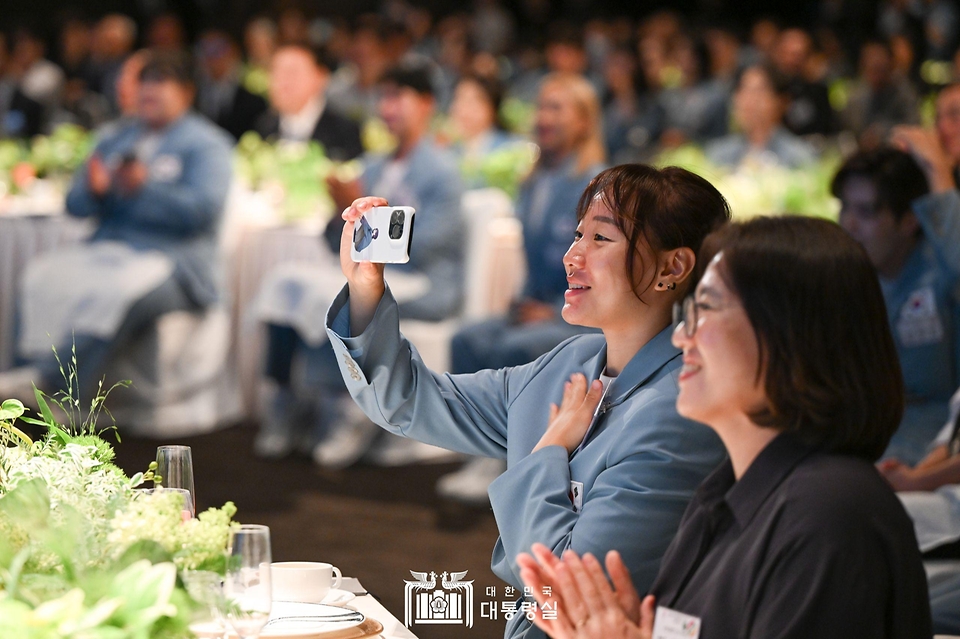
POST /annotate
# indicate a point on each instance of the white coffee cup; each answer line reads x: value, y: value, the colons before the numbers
x: 306, y: 581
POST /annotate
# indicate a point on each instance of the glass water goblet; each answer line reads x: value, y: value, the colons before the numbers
x: 175, y: 467
x: 206, y: 588
x: 248, y: 595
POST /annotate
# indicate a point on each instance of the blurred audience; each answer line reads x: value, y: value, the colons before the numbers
x: 476, y: 127
x: 758, y: 109
x: 156, y: 186
x: 306, y: 405
x: 809, y: 108
x: 20, y: 116
x: 695, y: 110
x: 568, y: 132
x: 879, y: 98
x: 299, y: 76
x: 222, y: 97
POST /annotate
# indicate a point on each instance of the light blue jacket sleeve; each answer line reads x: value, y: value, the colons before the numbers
x: 387, y: 378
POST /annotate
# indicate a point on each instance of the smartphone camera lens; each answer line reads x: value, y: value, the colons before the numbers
x: 396, y: 225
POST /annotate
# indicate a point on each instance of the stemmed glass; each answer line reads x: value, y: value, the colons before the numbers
x: 206, y: 588
x: 247, y: 584
x: 175, y: 467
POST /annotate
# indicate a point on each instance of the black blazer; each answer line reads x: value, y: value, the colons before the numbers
x: 242, y: 115
x: 339, y: 135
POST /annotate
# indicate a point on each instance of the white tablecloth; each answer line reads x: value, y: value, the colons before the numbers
x: 21, y: 239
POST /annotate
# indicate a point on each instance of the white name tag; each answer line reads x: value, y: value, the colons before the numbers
x: 166, y: 168
x: 576, y: 495
x: 670, y: 624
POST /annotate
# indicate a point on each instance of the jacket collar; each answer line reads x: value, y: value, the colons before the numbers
x: 654, y: 355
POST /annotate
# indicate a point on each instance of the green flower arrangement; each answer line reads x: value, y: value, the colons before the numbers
x: 295, y: 172
x: 755, y: 188
x: 504, y: 168
x: 83, y: 553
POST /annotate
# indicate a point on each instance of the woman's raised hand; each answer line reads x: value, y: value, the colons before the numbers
x: 365, y: 279
x: 570, y: 420
x: 586, y: 605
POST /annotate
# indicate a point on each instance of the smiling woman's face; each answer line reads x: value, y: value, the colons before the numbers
x: 718, y: 380
x: 600, y: 294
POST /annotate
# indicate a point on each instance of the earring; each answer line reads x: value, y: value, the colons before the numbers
x: 659, y: 284
x: 672, y: 286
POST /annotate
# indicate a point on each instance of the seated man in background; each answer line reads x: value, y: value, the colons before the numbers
x: 299, y: 76
x: 20, y: 116
x: 221, y: 95
x: 569, y: 133
x: 156, y: 185
x: 305, y: 403
x: 908, y: 221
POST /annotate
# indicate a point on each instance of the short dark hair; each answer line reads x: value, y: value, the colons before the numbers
x: 492, y: 89
x: 319, y: 55
x: 895, y: 175
x: 665, y: 208
x: 167, y: 65
x: 412, y: 75
x: 779, y: 83
x: 827, y: 358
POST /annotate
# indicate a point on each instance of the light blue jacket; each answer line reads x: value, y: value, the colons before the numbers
x: 432, y: 186
x: 923, y: 306
x: 639, y: 468
x: 179, y: 209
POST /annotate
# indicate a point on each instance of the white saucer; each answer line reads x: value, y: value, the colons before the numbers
x: 337, y: 597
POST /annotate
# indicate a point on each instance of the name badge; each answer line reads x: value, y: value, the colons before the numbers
x: 576, y: 495
x: 670, y: 624
x: 919, y: 322
x: 166, y: 168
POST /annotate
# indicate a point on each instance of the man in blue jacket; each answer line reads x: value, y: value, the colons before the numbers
x: 156, y: 187
x: 294, y: 298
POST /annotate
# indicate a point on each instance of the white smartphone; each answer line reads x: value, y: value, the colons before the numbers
x: 383, y: 234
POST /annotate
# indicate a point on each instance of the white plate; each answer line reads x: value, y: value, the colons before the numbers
x: 335, y: 597
x: 305, y: 627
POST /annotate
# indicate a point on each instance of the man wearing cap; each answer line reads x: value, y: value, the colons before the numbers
x: 299, y: 76
x: 293, y: 301
x: 156, y: 186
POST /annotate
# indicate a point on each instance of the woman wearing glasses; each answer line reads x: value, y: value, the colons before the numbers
x: 628, y: 471
x: 788, y: 356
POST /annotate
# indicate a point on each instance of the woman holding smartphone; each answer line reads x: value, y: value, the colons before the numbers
x: 788, y: 356
x: 630, y: 470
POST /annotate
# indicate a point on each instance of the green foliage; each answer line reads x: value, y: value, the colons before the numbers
x: 756, y: 188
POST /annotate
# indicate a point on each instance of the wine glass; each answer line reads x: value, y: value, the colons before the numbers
x: 206, y: 588
x: 175, y: 467
x: 188, y: 512
x: 247, y: 585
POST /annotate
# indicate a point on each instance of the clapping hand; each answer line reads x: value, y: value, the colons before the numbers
x: 98, y: 177
x: 587, y: 605
x: 570, y: 421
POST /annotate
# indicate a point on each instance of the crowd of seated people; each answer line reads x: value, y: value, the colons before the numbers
x: 453, y: 90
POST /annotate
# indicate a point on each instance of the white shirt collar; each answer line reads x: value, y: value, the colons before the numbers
x: 300, y: 126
